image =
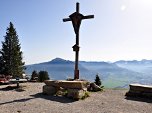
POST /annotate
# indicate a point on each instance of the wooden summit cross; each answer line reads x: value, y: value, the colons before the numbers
x: 76, y: 18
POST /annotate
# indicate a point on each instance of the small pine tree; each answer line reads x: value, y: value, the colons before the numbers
x: 97, y: 80
x: 43, y: 75
x: 11, y: 54
x: 34, y: 75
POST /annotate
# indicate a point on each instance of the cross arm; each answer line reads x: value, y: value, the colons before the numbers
x: 88, y: 17
x: 66, y: 19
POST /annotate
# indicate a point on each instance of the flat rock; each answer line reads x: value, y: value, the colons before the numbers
x: 67, y: 84
x: 140, y: 88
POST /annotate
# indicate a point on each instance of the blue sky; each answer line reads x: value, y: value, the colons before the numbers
x: 121, y: 29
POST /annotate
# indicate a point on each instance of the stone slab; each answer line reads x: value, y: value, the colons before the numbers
x: 140, y: 88
x: 67, y: 84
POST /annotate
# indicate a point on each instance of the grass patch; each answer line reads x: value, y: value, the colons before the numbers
x: 110, y: 83
x: 85, y: 95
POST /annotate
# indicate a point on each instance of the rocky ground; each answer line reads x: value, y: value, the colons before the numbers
x: 30, y: 99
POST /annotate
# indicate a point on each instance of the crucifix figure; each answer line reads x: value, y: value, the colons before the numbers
x: 76, y: 19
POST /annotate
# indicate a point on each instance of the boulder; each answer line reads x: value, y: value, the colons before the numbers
x: 94, y: 87
x: 76, y: 93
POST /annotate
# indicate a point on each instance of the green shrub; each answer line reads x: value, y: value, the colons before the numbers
x: 43, y: 75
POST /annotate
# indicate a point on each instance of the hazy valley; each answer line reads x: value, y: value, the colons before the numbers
x: 113, y: 75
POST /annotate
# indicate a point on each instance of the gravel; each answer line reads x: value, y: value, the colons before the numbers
x: 29, y: 99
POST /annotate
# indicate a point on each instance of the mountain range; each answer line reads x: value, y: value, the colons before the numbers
x: 113, y: 75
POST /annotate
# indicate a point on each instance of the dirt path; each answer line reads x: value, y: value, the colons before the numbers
x: 31, y: 100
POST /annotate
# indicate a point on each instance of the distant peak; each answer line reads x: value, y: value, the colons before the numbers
x: 60, y: 60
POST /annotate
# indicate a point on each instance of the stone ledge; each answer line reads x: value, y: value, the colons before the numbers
x: 75, y: 89
x: 138, y: 90
x: 75, y: 94
x: 67, y: 84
